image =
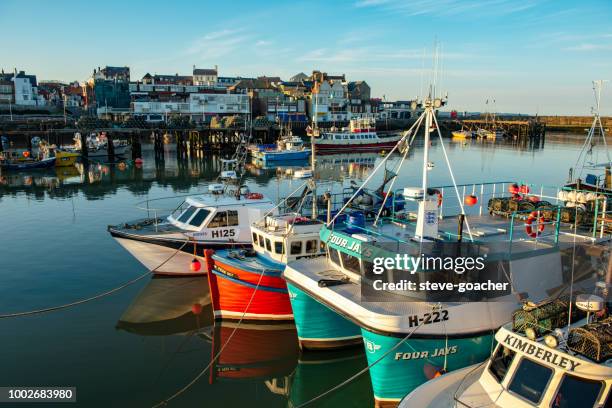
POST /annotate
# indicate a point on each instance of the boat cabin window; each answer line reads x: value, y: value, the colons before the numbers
x: 261, y: 241
x: 311, y: 246
x: 199, y: 217
x: 268, y: 244
x: 350, y: 262
x: 279, y: 248
x: 224, y: 219
x: 184, y: 217
x: 576, y: 392
x: 254, y: 239
x: 501, y: 362
x: 296, y: 247
x: 530, y: 380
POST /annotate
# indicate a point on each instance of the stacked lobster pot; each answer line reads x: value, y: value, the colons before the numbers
x: 522, y: 203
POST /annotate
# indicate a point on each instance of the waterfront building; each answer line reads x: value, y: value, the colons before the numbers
x: 359, y: 98
x: 331, y: 102
x: 205, y: 76
x: 110, y: 92
x: 7, y: 88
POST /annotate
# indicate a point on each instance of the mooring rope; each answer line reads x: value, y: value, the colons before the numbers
x: 95, y: 297
x: 362, y: 371
x: 223, y: 346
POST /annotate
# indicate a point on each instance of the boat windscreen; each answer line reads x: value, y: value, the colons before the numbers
x: 530, y: 380
x: 199, y: 217
x: 501, y: 362
x: 576, y: 392
x: 184, y: 217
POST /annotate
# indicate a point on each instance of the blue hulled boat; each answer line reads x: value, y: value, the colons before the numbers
x: 287, y: 148
x: 20, y: 165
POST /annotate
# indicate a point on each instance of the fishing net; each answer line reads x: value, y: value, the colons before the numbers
x: 593, y: 340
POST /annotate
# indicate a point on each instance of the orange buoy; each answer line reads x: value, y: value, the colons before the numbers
x: 524, y: 189
x: 195, y: 265
x: 196, y: 309
x: 534, y: 199
x: 26, y: 154
x: 513, y: 188
x: 471, y: 200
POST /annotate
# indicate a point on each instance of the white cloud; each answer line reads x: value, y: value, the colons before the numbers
x: 217, y: 43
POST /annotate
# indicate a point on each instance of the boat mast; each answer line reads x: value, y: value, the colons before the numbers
x: 315, y: 131
x: 428, y: 121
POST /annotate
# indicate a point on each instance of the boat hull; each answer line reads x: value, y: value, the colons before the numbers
x: 240, y: 294
x: 34, y: 165
x: 335, y: 147
x: 165, y: 256
x: 415, y: 361
x: 284, y: 156
x: 319, y: 328
x: 65, y: 159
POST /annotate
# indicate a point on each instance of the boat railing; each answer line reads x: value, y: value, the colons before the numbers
x: 451, y: 206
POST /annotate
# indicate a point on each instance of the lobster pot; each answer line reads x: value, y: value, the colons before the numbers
x: 544, y: 318
x: 593, y: 340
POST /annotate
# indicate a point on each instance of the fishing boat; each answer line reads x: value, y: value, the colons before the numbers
x: 360, y: 136
x: 97, y: 146
x: 19, y: 164
x: 462, y: 134
x: 247, y: 284
x: 489, y: 134
x: 587, y: 158
x: 219, y: 218
x: 288, y: 148
x: 410, y: 336
x: 565, y: 365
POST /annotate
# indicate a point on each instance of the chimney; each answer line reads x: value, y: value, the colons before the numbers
x: 194, y: 67
x: 216, y: 68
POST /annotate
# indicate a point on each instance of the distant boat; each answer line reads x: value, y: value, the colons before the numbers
x: 31, y: 164
x: 360, y: 136
x: 97, y: 146
x: 463, y: 134
x: 489, y: 134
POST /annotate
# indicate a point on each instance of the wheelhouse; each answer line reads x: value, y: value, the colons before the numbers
x: 524, y: 372
x: 287, y: 237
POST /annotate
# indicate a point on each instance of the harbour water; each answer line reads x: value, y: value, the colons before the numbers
x: 142, y: 344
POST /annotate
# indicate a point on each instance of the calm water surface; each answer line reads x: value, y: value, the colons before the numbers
x: 140, y: 345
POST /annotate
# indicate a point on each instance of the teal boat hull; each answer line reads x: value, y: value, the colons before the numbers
x: 319, y: 327
x: 416, y: 361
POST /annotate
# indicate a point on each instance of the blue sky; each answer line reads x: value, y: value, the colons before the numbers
x: 533, y: 56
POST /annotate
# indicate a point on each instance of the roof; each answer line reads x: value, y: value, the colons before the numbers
x: 204, y: 71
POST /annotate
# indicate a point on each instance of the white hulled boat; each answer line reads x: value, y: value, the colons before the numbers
x: 564, y: 366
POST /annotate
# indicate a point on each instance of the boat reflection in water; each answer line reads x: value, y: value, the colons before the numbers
x: 317, y: 372
x: 169, y: 306
x: 254, y: 351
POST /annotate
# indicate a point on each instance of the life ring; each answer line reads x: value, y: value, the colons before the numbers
x: 254, y: 196
x: 528, y: 228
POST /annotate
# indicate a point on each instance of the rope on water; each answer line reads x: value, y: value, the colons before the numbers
x: 89, y: 299
x: 205, y: 369
x: 362, y: 371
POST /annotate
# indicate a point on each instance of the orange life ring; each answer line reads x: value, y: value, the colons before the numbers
x: 254, y: 196
x: 540, y: 222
